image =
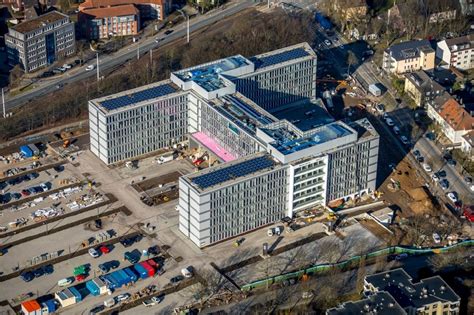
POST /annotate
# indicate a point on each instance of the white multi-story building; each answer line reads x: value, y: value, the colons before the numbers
x: 40, y: 42
x: 283, y: 156
x: 457, y: 52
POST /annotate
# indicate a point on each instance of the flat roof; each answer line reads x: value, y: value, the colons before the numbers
x: 138, y: 95
x: 286, y: 144
x: 39, y: 22
x: 364, y: 128
x: 243, y: 112
x: 381, y: 303
x: 231, y: 171
x: 304, y: 115
x: 207, y: 75
x: 291, y: 53
x: 408, y: 294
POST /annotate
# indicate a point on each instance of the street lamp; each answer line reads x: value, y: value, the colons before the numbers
x: 187, y: 24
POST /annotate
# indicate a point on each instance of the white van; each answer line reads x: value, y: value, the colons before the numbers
x: 109, y: 302
x: 64, y: 282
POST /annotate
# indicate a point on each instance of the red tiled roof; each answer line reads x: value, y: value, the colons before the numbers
x: 31, y: 306
x: 120, y: 10
x: 89, y: 4
x: 456, y: 116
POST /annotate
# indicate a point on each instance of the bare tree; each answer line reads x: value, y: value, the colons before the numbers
x: 15, y: 76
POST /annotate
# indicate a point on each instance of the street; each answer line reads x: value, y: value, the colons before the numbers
x: 125, y: 54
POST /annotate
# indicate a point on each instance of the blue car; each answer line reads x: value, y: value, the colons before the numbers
x: 27, y: 276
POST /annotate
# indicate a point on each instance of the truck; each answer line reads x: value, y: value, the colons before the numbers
x: 165, y: 158
x: 327, y: 96
x: 375, y: 90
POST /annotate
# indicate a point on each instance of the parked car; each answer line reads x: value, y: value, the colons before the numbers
x: 97, y: 309
x: 427, y: 167
x: 169, y: 31
x: 131, y: 257
x: 380, y: 108
x: 444, y: 183
x: 404, y: 140
x: 176, y: 279
x: 122, y: 297
x: 113, y: 264
x: 48, y: 269
x: 25, y: 192
x: 435, y: 177
x: 45, y: 186
x: 451, y: 162
x: 27, y: 276
x: 453, y: 196
x: 416, y: 153
x: 104, y: 249
x: 104, y: 268
x: 38, y: 272
x: 90, y: 67
x: 401, y: 256
x: 80, y: 278
x: 442, y: 173
x: 389, y: 122
x: 327, y: 42
x: 93, y: 252
x: 65, y: 282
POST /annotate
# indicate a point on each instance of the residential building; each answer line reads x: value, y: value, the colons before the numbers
x: 408, y: 57
x: 454, y: 120
x: 430, y: 296
x: 421, y: 87
x: 351, y: 9
x: 122, y: 20
x: 457, y: 52
x: 41, y: 41
x: 149, y: 9
x: 279, y: 154
x: 467, y: 143
x: 381, y: 303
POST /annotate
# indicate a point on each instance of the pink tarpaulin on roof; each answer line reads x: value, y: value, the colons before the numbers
x: 213, y: 146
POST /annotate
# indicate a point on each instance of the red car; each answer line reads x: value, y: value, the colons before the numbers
x: 80, y: 277
x: 25, y: 192
x: 104, y: 249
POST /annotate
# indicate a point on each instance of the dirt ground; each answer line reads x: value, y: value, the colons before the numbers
x: 156, y: 181
x: 404, y: 188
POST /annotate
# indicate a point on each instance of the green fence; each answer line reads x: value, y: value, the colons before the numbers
x: 351, y: 262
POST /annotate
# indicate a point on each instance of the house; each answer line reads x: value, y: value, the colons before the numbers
x: 405, y: 12
x: 421, y: 87
x: 381, y: 303
x: 409, y: 56
x: 122, y: 20
x: 467, y: 142
x: 351, y: 9
x: 457, y: 52
x: 455, y: 121
x: 428, y: 296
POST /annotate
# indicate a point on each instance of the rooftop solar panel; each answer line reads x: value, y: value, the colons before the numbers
x: 280, y: 57
x: 234, y: 171
x: 137, y: 97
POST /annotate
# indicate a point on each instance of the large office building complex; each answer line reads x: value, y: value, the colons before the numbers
x: 41, y: 41
x: 280, y: 150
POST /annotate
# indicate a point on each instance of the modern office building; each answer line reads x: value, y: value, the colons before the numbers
x: 280, y: 156
x: 41, y: 41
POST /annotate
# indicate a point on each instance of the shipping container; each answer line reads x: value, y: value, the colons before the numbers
x: 125, y: 276
x: 115, y: 281
x: 141, y: 271
x: 26, y: 151
x: 31, y: 307
x: 133, y: 276
x: 34, y: 149
x: 65, y: 297
x: 149, y: 269
x: 76, y: 293
x: 101, y: 285
x: 110, y: 281
x: 49, y: 307
x: 153, y: 263
x: 120, y: 277
x: 93, y: 288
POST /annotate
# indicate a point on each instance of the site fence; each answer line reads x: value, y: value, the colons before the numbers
x: 351, y: 262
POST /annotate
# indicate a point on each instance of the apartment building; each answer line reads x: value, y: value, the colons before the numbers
x: 39, y: 42
x: 454, y: 120
x: 421, y: 87
x: 123, y: 20
x: 467, y: 144
x: 274, y: 160
x: 457, y: 52
x: 430, y: 296
x: 408, y: 57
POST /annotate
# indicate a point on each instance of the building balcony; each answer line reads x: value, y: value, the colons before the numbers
x: 304, y: 196
x: 305, y: 186
x: 306, y: 170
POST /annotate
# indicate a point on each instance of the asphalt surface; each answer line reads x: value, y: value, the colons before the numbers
x: 125, y: 54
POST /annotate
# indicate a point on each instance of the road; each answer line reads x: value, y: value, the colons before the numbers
x: 125, y: 54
